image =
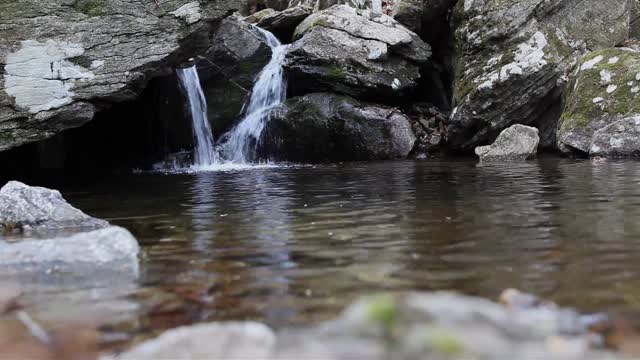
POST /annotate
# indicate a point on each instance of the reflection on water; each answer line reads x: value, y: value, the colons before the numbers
x: 293, y: 245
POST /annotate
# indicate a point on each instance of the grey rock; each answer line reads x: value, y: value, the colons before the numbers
x: 634, y: 33
x: 619, y: 139
x: 228, y: 68
x: 409, y: 13
x: 282, y: 24
x: 514, y: 57
x: 405, y: 326
x: 97, y: 248
x: 319, y: 5
x: 355, y: 53
x: 329, y: 127
x: 28, y: 207
x: 65, y: 60
x: 257, y: 16
x: 517, y: 142
x: 604, y: 89
x: 230, y: 340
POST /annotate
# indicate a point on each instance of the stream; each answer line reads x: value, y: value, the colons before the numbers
x: 291, y: 245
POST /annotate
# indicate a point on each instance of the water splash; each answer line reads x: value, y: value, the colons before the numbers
x: 270, y: 89
x: 203, y: 153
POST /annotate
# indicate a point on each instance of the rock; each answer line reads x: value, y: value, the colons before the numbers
x: 28, y: 207
x: 405, y: 326
x: 355, y: 53
x: 604, y: 89
x: 231, y: 340
x: 319, y: 5
x: 65, y: 60
x: 618, y: 139
x: 282, y: 24
x: 414, y: 13
x: 513, y: 57
x: 228, y: 68
x: 328, y: 127
x: 256, y: 17
x: 517, y: 142
x: 635, y: 21
x: 103, y: 249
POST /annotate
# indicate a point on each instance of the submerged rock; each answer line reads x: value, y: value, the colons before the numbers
x: 407, y: 326
x: 62, y: 61
x: 329, y: 127
x: 513, y: 58
x: 605, y: 90
x: 282, y: 24
x: 517, y: 142
x: 28, y: 207
x: 355, y: 52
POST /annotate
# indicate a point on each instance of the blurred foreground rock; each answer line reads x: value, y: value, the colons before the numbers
x: 436, y: 325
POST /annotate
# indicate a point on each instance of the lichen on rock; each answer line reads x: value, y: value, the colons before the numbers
x: 604, y: 89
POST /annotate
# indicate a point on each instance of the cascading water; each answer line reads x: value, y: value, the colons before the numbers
x: 239, y: 145
x: 269, y: 90
x: 203, y: 153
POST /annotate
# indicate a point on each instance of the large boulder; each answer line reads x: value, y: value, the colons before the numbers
x: 328, y: 127
x: 355, y: 52
x: 62, y: 61
x: 604, y: 89
x: 98, y: 252
x: 618, y: 139
x: 29, y: 207
x: 513, y: 58
x: 283, y: 23
x: 517, y: 142
x: 228, y: 69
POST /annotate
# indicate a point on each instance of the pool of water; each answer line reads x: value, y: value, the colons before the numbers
x: 293, y: 245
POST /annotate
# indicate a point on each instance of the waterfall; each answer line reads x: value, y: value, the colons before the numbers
x: 203, y: 153
x: 269, y: 90
x: 238, y: 146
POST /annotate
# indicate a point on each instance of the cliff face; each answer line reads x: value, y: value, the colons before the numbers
x: 62, y: 61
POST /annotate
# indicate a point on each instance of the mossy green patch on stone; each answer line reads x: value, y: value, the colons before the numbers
x: 382, y: 309
x: 445, y: 342
x: 602, y: 88
x: 91, y: 7
x: 336, y: 73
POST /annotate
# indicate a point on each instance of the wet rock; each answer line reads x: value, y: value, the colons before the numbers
x: 329, y: 127
x: 405, y: 326
x: 228, y: 68
x: 514, y: 57
x: 355, y: 52
x: 62, y: 61
x: 604, y: 89
x: 619, y: 139
x: 282, y: 24
x: 110, y: 249
x: 231, y: 340
x: 30, y: 207
x: 517, y: 142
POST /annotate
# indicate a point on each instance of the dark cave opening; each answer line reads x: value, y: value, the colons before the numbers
x: 124, y: 136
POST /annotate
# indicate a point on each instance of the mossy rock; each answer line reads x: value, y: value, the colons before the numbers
x: 92, y: 7
x: 604, y: 88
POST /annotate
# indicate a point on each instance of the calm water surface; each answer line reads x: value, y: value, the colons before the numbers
x: 293, y: 245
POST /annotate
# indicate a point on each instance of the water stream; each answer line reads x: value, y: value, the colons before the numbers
x: 239, y: 145
x: 203, y: 152
x: 269, y: 90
